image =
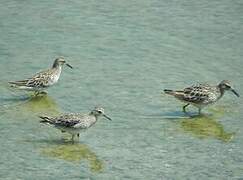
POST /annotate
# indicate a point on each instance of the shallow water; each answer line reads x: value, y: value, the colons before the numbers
x: 124, y: 53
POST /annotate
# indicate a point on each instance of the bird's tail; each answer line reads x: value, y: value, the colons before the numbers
x: 177, y: 94
x: 168, y: 91
x: 18, y: 83
x: 45, y: 119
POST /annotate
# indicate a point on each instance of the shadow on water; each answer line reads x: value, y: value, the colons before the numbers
x: 205, y: 125
x: 74, y: 153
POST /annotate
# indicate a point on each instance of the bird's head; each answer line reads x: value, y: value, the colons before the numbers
x: 225, y: 86
x: 99, y: 111
x: 60, y: 62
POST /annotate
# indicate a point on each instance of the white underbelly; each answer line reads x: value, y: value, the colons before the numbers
x: 27, y: 88
x: 70, y: 130
x: 54, y: 79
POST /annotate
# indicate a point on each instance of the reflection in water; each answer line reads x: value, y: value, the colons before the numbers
x: 75, y: 153
x: 203, y: 126
x: 207, y: 126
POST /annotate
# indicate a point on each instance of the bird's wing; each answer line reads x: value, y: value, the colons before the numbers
x: 196, y: 94
x: 68, y: 120
x: 40, y: 79
x: 19, y: 83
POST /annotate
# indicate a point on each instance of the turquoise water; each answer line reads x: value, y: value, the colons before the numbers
x: 124, y: 53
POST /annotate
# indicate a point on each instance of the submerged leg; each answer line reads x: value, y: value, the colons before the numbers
x: 43, y: 93
x: 36, y: 93
x: 184, y: 107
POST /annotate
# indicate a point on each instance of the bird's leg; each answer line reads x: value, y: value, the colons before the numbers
x: 184, y: 107
x: 72, y: 138
x: 199, y: 111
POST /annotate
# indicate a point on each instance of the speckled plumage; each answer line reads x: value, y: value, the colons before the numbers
x: 73, y: 123
x: 43, y: 79
x: 201, y: 95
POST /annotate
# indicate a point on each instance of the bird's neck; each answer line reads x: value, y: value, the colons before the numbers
x: 57, y: 68
x: 222, y: 91
x: 95, y: 116
x: 56, y: 65
x: 94, y: 120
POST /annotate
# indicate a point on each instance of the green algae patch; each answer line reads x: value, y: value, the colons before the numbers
x: 218, y: 111
x: 75, y: 153
x: 203, y: 127
x: 41, y: 104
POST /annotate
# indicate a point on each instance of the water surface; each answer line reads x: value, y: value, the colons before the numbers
x: 124, y: 53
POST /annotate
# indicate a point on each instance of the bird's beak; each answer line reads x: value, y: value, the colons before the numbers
x: 235, y: 92
x: 107, y: 117
x: 69, y: 65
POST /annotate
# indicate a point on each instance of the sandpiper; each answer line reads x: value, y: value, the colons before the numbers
x: 73, y: 123
x: 201, y: 95
x: 43, y: 79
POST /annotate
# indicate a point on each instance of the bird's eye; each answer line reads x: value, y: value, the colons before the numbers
x: 100, y: 112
